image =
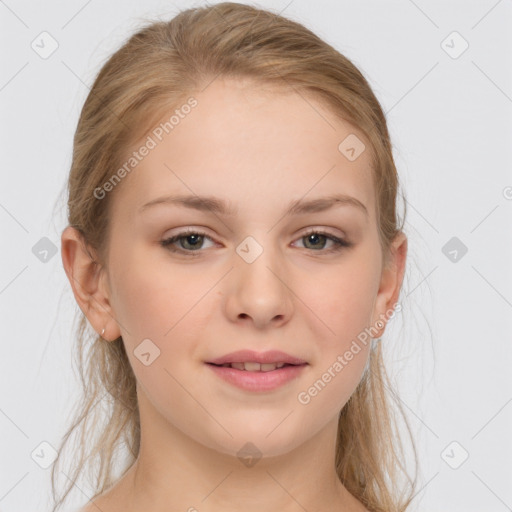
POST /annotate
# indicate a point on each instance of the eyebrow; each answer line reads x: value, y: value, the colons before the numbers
x: 221, y: 207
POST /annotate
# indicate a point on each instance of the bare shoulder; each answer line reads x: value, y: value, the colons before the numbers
x: 113, y: 499
x: 92, y: 507
x: 100, y: 504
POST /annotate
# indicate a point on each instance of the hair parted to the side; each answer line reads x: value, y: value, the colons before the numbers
x: 153, y: 72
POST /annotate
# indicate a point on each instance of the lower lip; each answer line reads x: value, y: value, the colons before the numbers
x: 258, y: 381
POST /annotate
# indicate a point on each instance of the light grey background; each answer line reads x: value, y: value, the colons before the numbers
x: 450, y: 118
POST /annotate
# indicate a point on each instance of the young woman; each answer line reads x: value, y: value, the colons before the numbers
x: 234, y: 243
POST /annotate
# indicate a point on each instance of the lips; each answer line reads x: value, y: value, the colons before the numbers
x: 250, y: 360
x: 258, y: 371
x: 254, y: 367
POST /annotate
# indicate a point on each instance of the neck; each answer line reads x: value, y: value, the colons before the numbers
x: 174, y: 472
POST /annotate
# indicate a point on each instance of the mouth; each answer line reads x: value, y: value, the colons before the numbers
x: 253, y: 371
x: 256, y: 367
x: 256, y: 361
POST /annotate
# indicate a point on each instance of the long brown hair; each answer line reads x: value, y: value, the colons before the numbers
x: 157, y: 68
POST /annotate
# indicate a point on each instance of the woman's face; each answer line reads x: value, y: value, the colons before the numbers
x: 259, y: 277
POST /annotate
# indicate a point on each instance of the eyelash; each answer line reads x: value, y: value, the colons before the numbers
x: 339, y: 244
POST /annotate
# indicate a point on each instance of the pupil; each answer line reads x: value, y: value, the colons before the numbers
x: 194, y: 243
x: 314, y: 237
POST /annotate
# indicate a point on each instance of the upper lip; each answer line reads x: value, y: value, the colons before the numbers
x: 246, y: 356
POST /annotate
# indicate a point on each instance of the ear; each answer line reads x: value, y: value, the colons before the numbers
x: 89, y: 283
x: 390, y: 284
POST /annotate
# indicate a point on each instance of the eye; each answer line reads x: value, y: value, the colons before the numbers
x: 317, y: 239
x: 191, y: 241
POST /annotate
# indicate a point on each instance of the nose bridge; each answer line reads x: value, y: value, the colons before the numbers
x: 259, y: 290
x: 260, y: 264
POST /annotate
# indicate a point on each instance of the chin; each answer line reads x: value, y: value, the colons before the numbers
x: 259, y: 442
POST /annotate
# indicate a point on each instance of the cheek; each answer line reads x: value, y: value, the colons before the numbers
x: 168, y: 307
x: 345, y: 311
x: 153, y: 298
x: 343, y: 307
x: 344, y: 304
x: 153, y: 303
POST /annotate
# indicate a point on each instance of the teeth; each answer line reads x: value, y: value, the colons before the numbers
x: 255, y: 367
x: 252, y: 367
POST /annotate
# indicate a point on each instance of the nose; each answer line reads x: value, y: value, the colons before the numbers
x: 259, y: 292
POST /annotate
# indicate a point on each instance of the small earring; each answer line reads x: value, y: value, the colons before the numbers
x: 103, y: 332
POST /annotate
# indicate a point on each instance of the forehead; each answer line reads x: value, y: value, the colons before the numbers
x: 253, y: 145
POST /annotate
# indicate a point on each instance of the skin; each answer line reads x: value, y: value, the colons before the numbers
x: 259, y: 149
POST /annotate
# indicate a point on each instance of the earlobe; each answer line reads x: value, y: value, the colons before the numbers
x: 390, y: 284
x: 86, y: 278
